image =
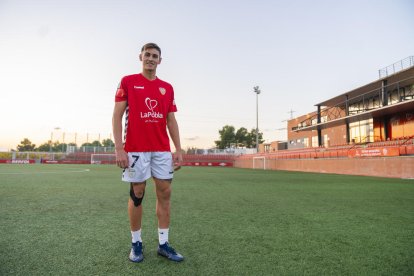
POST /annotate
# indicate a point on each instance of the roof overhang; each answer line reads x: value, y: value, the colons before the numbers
x: 404, y: 106
x: 401, y: 78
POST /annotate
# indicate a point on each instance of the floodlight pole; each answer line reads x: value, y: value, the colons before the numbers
x: 51, y: 138
x: 257, y: 91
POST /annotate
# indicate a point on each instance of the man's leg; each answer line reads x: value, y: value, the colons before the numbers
x: 163, y: 191
x: 137, y: 192
x: 135, y: 212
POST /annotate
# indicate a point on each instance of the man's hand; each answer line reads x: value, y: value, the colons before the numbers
x: 121, y: 158
x: 178, y: 158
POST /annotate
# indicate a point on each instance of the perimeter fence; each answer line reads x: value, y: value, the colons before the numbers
x: 106, y: 155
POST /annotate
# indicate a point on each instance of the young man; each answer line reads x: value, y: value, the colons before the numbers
x: 148, y: 104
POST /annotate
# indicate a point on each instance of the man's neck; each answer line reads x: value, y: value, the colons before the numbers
x: 151, y: 75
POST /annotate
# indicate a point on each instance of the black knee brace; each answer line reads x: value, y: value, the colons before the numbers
x: 137, y: 201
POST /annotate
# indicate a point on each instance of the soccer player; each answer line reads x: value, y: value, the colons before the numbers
x: 149, y: 106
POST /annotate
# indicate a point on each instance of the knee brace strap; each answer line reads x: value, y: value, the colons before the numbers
x: 137, y: 201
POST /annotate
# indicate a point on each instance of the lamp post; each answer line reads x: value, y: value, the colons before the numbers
x: 257, y: 91
x: 51, y: 137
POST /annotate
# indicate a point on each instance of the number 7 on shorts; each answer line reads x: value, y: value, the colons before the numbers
x: 136, y: 157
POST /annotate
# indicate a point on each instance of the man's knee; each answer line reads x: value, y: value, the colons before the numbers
x: 137, y: 194
x: 164, y: 193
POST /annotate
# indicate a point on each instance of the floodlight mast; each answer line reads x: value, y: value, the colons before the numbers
x: 51, y: 138
x: 257, y: 91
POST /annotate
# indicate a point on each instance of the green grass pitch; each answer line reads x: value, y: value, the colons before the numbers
x: 72, y: 219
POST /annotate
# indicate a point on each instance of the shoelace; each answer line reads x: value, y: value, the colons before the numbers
x: 169, y: 249
x: 137, y: 247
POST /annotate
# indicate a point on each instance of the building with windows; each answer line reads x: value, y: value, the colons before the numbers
x: 378, y: 111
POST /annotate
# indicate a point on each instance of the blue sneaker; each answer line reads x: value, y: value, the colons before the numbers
x: 167, y: 251
x: 136, y: 255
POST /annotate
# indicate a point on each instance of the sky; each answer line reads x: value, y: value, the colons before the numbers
x: 61, y: 61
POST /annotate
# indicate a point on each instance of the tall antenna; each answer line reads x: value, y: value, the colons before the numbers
x: 291, y: 113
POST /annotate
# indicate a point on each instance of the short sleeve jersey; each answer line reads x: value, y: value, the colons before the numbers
x: 148, y: 105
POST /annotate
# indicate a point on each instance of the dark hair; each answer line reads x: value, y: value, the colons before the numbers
x: 151, y: 46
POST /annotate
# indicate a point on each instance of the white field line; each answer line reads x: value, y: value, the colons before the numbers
x: 50, y: 172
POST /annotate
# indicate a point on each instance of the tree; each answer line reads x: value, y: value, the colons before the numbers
x: 241, y: 137
x: 227, y: 137
x: 191, y: 150
x: 63, y: 147
x: 26, y: 145
x: 95, y: 143
x: 58, y: 147
x: 108, y: 143
x: 87, y: 145
x: 252, y: 138
x: 44, y: 147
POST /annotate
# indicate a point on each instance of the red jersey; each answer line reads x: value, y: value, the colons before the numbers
x: 148, y: 105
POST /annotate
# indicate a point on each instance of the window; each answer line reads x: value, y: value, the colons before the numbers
x: 306, y: 142
x: 326, y: 140
x: 315, y: 141
x: 362, y: 131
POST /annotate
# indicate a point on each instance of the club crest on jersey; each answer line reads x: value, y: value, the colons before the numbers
x: 162, y: 91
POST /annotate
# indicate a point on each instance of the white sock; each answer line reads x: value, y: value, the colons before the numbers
x: 162, y: 235
x: 136, y: 236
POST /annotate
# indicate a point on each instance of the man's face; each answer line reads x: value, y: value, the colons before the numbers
x: 150, y: 59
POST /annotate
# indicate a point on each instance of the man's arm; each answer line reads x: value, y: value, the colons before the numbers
x: 172, y: 126
x: 121, y: 155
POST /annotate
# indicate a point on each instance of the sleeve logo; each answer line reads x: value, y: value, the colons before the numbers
x: 120, y: 93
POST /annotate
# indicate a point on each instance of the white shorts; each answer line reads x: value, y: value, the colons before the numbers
x: 143, y: 165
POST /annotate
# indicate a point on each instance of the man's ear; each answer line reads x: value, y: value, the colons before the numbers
x: 160, y: 60
x: 140, y: 57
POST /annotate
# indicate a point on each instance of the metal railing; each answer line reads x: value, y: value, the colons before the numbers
x: 396, y: 67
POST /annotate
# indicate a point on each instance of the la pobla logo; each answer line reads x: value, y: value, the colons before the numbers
x: 151, y: 105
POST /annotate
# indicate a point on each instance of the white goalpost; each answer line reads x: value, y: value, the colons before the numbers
x: 103, y: 158
x: 259, y: 162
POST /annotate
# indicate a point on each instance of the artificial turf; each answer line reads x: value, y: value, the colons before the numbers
x: 72, y: 219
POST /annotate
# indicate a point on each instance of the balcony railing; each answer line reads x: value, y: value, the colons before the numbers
x: 396, y: 67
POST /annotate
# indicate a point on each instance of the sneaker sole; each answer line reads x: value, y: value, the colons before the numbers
x: 168, y: 258
x: 138, y: 261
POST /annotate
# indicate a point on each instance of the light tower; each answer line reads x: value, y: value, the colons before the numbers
x: 257, y: 91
